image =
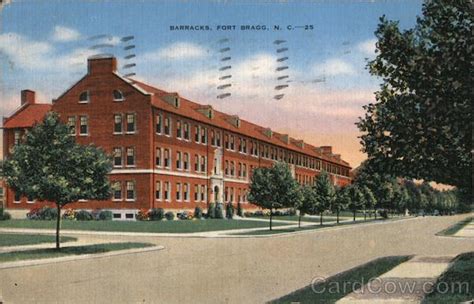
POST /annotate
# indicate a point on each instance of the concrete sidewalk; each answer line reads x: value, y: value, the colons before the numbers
x: 409, y: 282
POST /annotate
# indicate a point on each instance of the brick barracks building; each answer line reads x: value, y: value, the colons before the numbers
x: 168, y: 152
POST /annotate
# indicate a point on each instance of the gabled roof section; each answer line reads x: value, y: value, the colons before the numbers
x: 26, y: 116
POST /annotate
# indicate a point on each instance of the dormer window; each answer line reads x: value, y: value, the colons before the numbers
x: 84, y: 97
x: 118, y: 95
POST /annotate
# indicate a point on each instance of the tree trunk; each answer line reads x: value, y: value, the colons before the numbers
x: 321, y: 219
x: 58, y: 226
x: 271, y: 216
x: 354, y: 215
x: 337, y: 216
x: 375, y: 213
x: 365, y: 215
x: 299, y: 220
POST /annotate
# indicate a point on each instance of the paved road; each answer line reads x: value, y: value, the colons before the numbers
x: 225, y: 270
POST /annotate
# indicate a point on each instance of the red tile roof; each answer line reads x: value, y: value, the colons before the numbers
x: 189, y: 109
x: 27, y: 115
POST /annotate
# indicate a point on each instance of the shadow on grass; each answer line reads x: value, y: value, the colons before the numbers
x: 329, y: 290
x: 68, y: 251
x: 451, y: 230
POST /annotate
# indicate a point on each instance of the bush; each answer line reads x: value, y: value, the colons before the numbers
x: 292, y: 212
x: 156, y: 214
x: 83, y: 215
x: 219, y: 211
x: 211, y: 211
x: 239, y: 209
x: 95, y: 214
x: 248, y: 214
x: 229, y: 211
x: 258, y: 213
x: 383, y: 213
x: 4, y: 215
x: 69, y: 214
x: 185, y: 215
x: 143, y: 215
x: 44, y: 213
x: 169, y: 215
x: 198, y: 213
x: 105, y: 215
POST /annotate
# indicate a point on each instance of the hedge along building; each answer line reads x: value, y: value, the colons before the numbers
x: 168, y: 152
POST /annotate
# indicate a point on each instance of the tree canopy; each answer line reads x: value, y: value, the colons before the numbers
x: 421, y: 124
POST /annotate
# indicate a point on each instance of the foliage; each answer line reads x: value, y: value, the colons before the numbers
x: 239, y: 209
x: 357, y: 200
x: 420, y: 126
x: 50, y: 166
x: 156, y: 214
x: 42, y: 213
x: 309, y: 201
x: 324, y: 192
x: 219, y: 211
x: 198, y: 213
x: 142, y: 215
x: 105, y: 215
x: 69, y: 214
x: 229, y: 211
x: 83, y: 215
x: 169, y: 215
x: 369, y: 198
x: 211, y: 211
x: 185, y: 215
x: 4, y: 215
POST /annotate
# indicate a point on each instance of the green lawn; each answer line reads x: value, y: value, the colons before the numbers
x: 456, y: 227
x: 353, y: 277
x: 68, y: 251
x: 178, y: 226
x: 460, y: 276
x: 15, y: 239
x: 294, y: 218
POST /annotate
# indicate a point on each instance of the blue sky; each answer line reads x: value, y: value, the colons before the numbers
x: 44, y: 46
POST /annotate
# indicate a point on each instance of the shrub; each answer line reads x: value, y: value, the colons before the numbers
x: 83, y: 215
x: 292, y: 212
x: 185, y: 215
x: 34, y: 214
x: 219, y: 211
x: 48, y: 213
x: 95, y: 214
x: 69, y: 214
x: 258, y: 213
x: 169, y: 215
x: 383, y: 213
x: 229, y: 211
x: 211, y: 211
x: 239, y: 209
x: 143, y: 215
x: 4, y: 215
x: 156, y: 214
x: 248, y: 214
x: 198, y: 213
x: 105, y: 215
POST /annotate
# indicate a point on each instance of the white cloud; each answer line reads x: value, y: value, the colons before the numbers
x: 333, y: 67
x: 367, y: 47
x: 65, y: 34
x: 176, y: 51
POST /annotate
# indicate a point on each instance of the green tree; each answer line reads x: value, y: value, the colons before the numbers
x: 341, y: 201
x: 421, y: 124
x: 50, y: 166
x: 308, y: 202
x: 325, y: 194
x: 369, y: 198
x: 274, y: 188
x: 356, y: 199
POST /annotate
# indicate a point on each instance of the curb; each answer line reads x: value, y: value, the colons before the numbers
x: 38, y: 262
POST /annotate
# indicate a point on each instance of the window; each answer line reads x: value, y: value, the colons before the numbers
x: 117, y: 191
x: 244, y: 146
x: 158, y: 190
x: 218, y: 139
x: 226, y: 194
x: 196, y: 134
x: 129, y: 216
x: 213, y: 138
x: 203, y: 164
x: 232, y: 146
x: 240, y: 144
x: 130, y: 191
x: 186, y: 162
x: 158, y: 157
x: 17, y: 136
x: 178, y: 160
x: 186, y: 192
x: 226, y: 169
x: 167, y: 158
x: 130, y: 157
x: 196, y: 193
x: 167, y: 191
x: 178, y: 129
x: 118, y: 124
x: 226, y: 141
x: 158, y: 123
x: 168, y: 126
x: 118, y: 96
x: 117, y: 216
x: 203, y: 193
x: 245, y: 171
x: 204, y: 135
x: 186, y: 131
x: 117, y: 157
x: 196, y: 162
x: 232, y: 168
x: 131, y: 123
x: 84, y: 97
x: 84, y: 129
x: 71, y: 124
x: 17, y: 198
x: 240, y: 174
x: 178, y: 191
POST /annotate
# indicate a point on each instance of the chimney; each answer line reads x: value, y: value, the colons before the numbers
x: 28, y: 97
x: 101, y: 64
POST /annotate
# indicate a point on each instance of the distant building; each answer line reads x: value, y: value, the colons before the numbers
x: 168, y: 152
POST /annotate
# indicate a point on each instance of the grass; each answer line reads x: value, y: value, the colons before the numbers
x: 452, y: 230
x: 294, y: 218
x: 459, y: 276
x: 68, y: 251
x: 178, y: 226
x: 357, y: 276
x: 15, y: 239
